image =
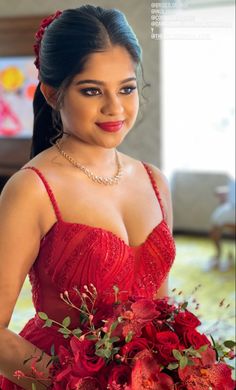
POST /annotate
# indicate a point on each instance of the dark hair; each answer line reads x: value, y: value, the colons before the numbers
x: 66, y: 45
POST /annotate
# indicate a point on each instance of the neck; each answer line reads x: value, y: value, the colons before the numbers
x: 92, y: 156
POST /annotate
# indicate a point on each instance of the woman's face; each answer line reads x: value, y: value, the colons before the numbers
x: 107, y: 98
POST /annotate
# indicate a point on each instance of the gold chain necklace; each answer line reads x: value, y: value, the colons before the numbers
x: 99, y: 179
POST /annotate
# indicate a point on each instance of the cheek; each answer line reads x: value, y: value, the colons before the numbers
x: 72, y: 111
x: 134, y: 106
x: 136, y: 101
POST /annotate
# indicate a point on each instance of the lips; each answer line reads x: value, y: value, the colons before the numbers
x: 110, y: 126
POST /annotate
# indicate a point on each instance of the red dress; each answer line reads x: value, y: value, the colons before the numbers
x: 76, y: 254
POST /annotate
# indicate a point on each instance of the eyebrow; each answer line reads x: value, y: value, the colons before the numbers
x: 101, y: 82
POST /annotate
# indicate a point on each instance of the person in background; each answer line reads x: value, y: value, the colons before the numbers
x: 222, y: 219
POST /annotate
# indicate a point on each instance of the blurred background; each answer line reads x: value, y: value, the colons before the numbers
x: 186, y: 128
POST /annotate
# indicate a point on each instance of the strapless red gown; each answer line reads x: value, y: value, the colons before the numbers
x: 74, y: 254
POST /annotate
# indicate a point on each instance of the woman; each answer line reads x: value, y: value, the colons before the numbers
x: 80, y: 212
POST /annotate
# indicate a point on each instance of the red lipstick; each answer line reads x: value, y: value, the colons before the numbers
x: 110, y: 126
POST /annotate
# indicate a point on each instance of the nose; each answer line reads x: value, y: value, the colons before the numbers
x: 112, y: 105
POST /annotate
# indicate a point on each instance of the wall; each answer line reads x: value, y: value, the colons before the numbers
x: 143, y: 142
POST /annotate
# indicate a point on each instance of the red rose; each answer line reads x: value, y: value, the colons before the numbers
x: 185, y: 320
x: 164, y: 308
x: 130, y: 349
x: 165, y: 343
x: 149, y: 332
x: 193, y: 338
x: 119, y: 375
x: 86, y: 363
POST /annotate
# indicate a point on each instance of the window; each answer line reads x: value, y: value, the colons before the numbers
x: 198, y: 106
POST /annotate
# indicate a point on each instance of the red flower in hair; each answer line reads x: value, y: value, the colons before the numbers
x: 39, y: 34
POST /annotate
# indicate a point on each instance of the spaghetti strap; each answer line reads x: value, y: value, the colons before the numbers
x: 155, y: 188
x: 49, y: 191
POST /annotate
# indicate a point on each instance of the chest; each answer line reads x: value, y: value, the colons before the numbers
x: 130, y: 210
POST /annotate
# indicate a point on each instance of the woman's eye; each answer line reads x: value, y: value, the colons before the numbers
x: 128, y: 90
x: 89, y: 91
x: 95, y: 92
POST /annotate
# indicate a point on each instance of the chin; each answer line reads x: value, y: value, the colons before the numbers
x: 113, y: 143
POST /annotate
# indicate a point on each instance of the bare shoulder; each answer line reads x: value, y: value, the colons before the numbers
x: 23, y: 191
x: 160, y: 179
x: 24, y: 187
x: 21, y: 182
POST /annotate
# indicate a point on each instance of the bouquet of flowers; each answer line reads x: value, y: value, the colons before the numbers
x: 135, y: 345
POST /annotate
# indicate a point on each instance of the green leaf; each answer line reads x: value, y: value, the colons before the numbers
x: 190, y: 362
x: 114, y: 325
x: 91, y: 337
x: 172, y: 366
x: 197, y: 354
x: 107, y: 353
x: 129, y: 336
x: 183, y: 362
x: 108, y: 345
x: 104, y: 353
x: 99, y: 343
x: 114, y: 339
x: 229, y: 344
x: 48, y: 323
x: 105, y: 337
x: 176, y: 354
x: 77, y: 332
x: 34, y: 386
x: 64, y: 331
x: 66, y: 322
x: 100, y: 352
x: 42, y: 315
x: 203, y: 348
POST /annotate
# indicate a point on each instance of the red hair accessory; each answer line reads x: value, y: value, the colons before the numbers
x: 39, y: 34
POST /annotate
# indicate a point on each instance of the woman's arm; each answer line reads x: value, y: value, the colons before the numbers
x: 20, y: 234
x: 164, y: 190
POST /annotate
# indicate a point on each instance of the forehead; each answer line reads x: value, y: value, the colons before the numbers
x: 114, y: 63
